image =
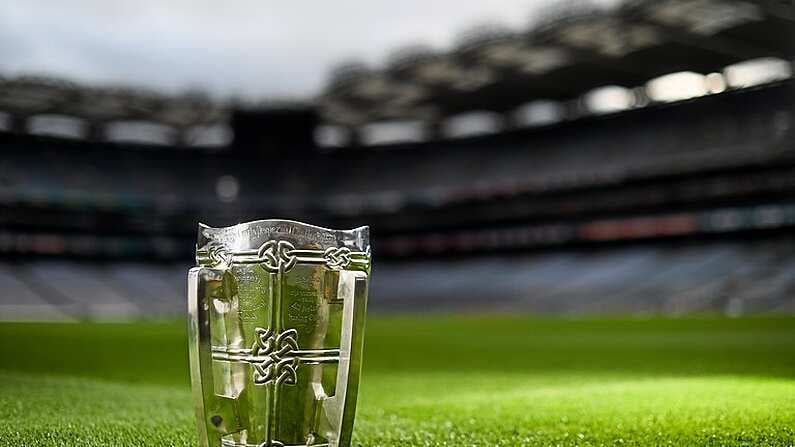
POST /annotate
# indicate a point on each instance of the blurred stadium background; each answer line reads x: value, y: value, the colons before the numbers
x: 634, y: 159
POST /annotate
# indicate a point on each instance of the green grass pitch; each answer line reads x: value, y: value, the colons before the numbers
x: 435, y: 381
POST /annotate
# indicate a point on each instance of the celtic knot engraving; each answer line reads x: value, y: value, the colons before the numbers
x: 277, y: 256
x: 337, y: 258
x: 219, y: 255
x: 278, y: 363
x: 280, y: 256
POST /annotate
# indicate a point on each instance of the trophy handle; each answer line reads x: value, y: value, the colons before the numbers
x: 207, y: 404
x: 198, y: 330
x: 199, y: 347
x: 339, y: 410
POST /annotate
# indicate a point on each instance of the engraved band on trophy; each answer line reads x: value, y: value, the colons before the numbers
x: 276, y: 332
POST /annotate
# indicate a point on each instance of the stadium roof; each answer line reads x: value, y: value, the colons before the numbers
x: 26, y: 96
x: 566, y: 54
x: 571, y: 51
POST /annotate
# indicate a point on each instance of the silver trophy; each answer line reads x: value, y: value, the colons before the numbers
x: 276, y: 328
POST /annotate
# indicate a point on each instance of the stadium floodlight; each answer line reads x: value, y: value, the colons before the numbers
x: 276, y: 332
x: 395, y: 131
x: 608, y: 99
x: 677, y: 86
x: 757, y: 71
x: 56, y: 125
x: 478, y: 122
x: 538, y: 113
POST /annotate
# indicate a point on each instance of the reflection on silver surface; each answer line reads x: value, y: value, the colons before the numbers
x: 276, y: 330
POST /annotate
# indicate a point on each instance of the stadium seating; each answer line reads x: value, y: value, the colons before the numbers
x: 729, y: 277
x: 722, y: 164
x: 733, y: 129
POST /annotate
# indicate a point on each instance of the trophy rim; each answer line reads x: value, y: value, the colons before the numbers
x: 204, y: 226
x: 355, y: 238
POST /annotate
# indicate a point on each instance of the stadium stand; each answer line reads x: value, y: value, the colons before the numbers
x: 734, y: 277
x: 669, y: 204
x: 714, y: 151
x: 575, y: 48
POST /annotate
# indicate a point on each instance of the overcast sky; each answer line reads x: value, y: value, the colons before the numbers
x: 254, y: 48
